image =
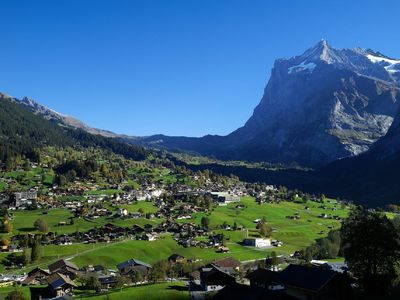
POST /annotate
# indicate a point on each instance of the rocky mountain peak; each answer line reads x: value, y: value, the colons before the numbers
x: 322, y: 105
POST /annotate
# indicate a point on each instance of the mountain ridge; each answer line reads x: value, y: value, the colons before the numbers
x: 317, y: 107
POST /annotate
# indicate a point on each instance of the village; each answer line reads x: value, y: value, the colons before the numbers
x: 174, y: 205
x: 208, y: 235
x: 222, y: 277
x: 164, y: 210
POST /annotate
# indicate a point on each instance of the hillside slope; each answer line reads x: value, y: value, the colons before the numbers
x: 21, y: 131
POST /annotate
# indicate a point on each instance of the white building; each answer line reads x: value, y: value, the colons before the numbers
x: 122, y: 212
x: 257, y: 242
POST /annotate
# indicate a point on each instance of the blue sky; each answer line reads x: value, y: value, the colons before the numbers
x: 172, y: 67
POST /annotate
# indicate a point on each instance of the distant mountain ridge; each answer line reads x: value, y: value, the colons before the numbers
x: 52, y: 115
x: 317, y: 107
x: 26, y: 126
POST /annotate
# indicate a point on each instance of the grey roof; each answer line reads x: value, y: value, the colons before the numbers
x: 132, y: 262
x: 61, y: 263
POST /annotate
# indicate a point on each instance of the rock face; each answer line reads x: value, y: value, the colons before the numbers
x: 370, y: 178
x: 317, y: 107
x: 320, y: 106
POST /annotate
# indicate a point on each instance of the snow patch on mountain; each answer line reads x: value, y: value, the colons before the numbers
x: 390, y: 65
x: 303, y: 66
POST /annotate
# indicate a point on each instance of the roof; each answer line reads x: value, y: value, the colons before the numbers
x: 309, y: 278
x: 240, y: 291
x: 58, y: 280
x: 61, y: 263
x: 37, y: 269
x: 227, y: 262
x: 216, y: 275
x: 107, y: 279
x: 262, y: 275
x: 132, y: 262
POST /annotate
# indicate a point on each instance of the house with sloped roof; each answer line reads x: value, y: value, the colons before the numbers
x: 36, y: 276
x: 60, y: 285
x: 304, y: 282
x: 133, y: 265
x: 228, y: 262
x: 107, y: 282
x: 64, y: 267
x: 214, y: 278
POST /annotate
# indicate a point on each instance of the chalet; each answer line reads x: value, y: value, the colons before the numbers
x: 135, y: 215
x: 228, y: 262
x: 111, y: 228
x: 213, y: 278
x: 107, y: 282
x: 64, y: 267
x: 99, y: 269
x: 36, y: 276
x: 133, y: 265
x: 60, y: 285
x: 63, y: 240
x: 262, y: 278
x: 303, y: 282
x: 137, y: 229
x: 122, y: 212
x: 257, y: 242
x: 150, y: 237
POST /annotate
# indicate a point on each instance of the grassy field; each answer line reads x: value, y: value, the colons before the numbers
x: 5, y: 290
x: 295, y: 234
x: 160, y: 291
x: 148, y: 207
x: 31, y: 177
x: 23, y: 220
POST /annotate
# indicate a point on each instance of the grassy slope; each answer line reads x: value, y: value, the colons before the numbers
x: 295, y: 234
x: 160, y: 291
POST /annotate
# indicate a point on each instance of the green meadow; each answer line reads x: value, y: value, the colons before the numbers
x: 295, y: 234
x: 160, y: 291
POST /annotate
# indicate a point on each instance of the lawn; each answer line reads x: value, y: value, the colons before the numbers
x: 5, y: 290
x: 23, y: 220
x: 151, y: 252
x: 295, y: 234
x: 160, y: 291
x: 148, y: 207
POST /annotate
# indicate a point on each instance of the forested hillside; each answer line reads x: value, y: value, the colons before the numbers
x: 21, y: 132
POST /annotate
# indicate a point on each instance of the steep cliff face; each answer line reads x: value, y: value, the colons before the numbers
x: 371, y: 177
x: 317, y: 107
x: 320, y: 106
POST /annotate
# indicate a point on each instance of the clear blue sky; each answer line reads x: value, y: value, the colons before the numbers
x: 173, y: 67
